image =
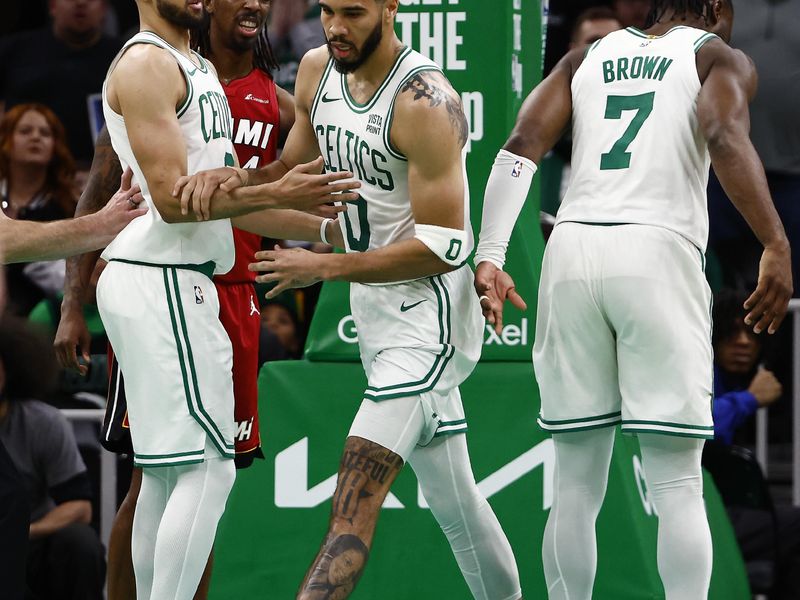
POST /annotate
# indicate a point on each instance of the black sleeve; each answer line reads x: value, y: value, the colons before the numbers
x: 76, y: 488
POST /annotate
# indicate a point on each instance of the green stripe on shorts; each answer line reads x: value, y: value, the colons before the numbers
x: 215, y: 435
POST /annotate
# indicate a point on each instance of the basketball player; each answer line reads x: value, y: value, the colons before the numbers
x: 167, y: 115
x: 623, y: 326
x: 369, y: 105
x: 243, y: 56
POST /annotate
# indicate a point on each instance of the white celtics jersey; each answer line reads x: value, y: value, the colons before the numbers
x: 205, y: 123
x: 638, y: 153
x: 356, y: 137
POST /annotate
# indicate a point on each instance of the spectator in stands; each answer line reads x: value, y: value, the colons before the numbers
x: 741, y: 386
x: 593, y: 24
x: 36, y: 184
x: 65, y: 558
x: 766, y: 31
x: 632, y: 13
x: 280, y: 323
x: 15, y: 512
x: 294, y: 29
x: 63, y: 67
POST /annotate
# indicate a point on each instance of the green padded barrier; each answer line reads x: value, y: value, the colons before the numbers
x: 278, y: 511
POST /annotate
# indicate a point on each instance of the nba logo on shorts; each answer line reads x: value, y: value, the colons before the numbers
x: 517, y: 170
x: 198, y: 295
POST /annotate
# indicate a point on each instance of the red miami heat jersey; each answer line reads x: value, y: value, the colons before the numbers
x: 256, y: 119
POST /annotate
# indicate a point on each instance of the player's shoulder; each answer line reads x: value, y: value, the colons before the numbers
x: 427, y: 101
x: 313, y: 64
x: 309, y: 73
x: 140, y: 60
x: 147, y: 71
x: 425, y: 93
x: 717, y: 54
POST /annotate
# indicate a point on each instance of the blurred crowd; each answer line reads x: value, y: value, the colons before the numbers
x: 53, y: 58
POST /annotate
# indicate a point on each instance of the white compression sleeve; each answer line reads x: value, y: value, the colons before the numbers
x: 569, y: 548
x: 675, y: 486
x: 175, y: 524
x: 479, y: 545
x: 506, y: 190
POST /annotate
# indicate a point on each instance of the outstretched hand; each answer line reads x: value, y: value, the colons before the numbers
x: 123, y: 207
x: 288, y: 269
x: 768, y: 304
x: 305, y: 188
x: 494, y: 287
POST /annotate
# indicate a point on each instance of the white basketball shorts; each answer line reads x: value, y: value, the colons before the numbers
x: 623, y: 332
x: 163, y: 323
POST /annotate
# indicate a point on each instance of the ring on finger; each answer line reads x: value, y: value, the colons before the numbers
x: 482, y: 298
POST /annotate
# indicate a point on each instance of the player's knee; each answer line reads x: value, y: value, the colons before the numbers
x: 223, y: 474
x: 452, y: 510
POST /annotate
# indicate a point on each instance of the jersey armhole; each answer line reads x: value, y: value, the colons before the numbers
x: 703, y: 40
x: 318, y: 94
x: 189, y: 89
x: 387, y: 130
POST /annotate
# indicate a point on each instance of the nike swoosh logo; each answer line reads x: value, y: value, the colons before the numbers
x: 326, y: 99
x: 404, y: 308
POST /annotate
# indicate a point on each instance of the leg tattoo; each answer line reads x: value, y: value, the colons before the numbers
x: 336, y: 572
x: 366, y: 473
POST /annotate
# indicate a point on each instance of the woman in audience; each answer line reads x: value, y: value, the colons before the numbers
x: 36, y: 184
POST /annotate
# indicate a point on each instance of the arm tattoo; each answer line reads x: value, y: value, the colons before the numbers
x: 103, y: 177
x: 433, y: 87
x: 103, y: 181
x: 366, y: 472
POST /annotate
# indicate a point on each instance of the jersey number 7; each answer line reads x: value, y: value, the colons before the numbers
x: 619, y: 157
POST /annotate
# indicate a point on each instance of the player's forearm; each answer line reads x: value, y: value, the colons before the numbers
x: 25, y: 241
x: 104, y: 178
x: 401, y: 261
x: 74, y: 511
x: 77, y: 277
x: 224, y: 205
x: 281, y: 224
x: 742, y: 176
x: 272, y: 172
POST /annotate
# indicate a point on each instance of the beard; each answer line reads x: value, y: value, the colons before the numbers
x: 177, y: 16
x: 362, y: 54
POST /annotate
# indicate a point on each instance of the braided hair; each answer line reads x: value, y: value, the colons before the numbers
x: 681, y: 8
x: 263, y: 56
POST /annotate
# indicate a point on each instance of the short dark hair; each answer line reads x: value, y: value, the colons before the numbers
x: 28, y: 360
x: 728, y: 314
x: 598, y: 13
x: 681, y: 8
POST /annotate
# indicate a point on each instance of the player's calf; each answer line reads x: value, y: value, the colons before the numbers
x: 366, y: 472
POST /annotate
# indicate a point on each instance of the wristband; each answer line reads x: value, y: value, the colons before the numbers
x: 322, y: 227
